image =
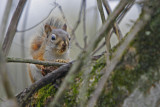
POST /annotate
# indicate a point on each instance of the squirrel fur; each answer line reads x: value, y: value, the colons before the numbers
x: 51, y: 45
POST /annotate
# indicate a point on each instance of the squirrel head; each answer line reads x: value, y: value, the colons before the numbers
x: 57, y: 39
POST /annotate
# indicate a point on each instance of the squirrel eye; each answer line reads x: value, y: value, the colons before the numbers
x: 53, y: 37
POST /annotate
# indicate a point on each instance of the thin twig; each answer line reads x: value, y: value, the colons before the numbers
x: 5, y: 19
x: 136, y: 28
x: 115, y: 27
x: 100, y: 8
x: 100, y: 47
x: 63, y: 16
x: 76, y: 26
x: 127, y: 8
x: 86, y: 56
x: 32, y: 61
x: 12, y: 27
x: 84, y: 25
x: 107, y: 38
x: 38, y: 22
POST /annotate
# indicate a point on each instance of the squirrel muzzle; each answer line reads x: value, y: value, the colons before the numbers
x: 63, y: 47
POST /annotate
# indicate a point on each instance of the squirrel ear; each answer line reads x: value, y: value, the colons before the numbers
x: 64, y: 27
x: 47, y: 29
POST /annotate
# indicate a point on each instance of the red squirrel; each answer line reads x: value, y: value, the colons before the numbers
x: 51, y: 45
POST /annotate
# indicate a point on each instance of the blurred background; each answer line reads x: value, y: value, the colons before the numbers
x: 37, y: 10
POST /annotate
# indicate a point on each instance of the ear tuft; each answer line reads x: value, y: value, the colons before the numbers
x: 47, y: 29
x: 64, y: 27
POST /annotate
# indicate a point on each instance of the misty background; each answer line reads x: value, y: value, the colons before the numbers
x: 37, y: 10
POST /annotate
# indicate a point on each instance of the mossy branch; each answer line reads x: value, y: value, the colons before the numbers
x: 23, y: 96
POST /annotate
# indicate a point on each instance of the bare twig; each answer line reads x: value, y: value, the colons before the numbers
x: 63, y: 16
x: 76, y: 26
x: 115, y: 27
x: 84, y: 24
x: 100, y: 47
x: 123, y: 13
x: 46, y: 63
x: 12, y: 27
x: 5, y: 19
x: 100, y: 8
x: 83, y: 57
x: 120, y: 17
x: 136, y: 28
x: 23, y: 97
x: 40, y: 21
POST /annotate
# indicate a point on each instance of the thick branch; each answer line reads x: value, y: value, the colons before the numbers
x: 23, y: 97
x: 12, y: 27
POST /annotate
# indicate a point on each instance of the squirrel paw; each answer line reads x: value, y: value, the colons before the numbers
x: 62, y: 61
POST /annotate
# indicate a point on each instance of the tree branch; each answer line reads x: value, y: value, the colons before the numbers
x: 5, y: 19
x: 115, y: 26
x: 84, y: 25
x: 23, y: 96
x: 12, y: 27
x: 100, y: 8
x: 46, y: 63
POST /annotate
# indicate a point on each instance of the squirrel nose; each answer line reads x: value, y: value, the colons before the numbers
x: 64, y: 45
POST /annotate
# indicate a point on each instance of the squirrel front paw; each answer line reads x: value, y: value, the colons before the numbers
x: 62, y: 61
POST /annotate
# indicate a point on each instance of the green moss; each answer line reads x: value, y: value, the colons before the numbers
x: 132, y: 66
x: 40, y: 98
